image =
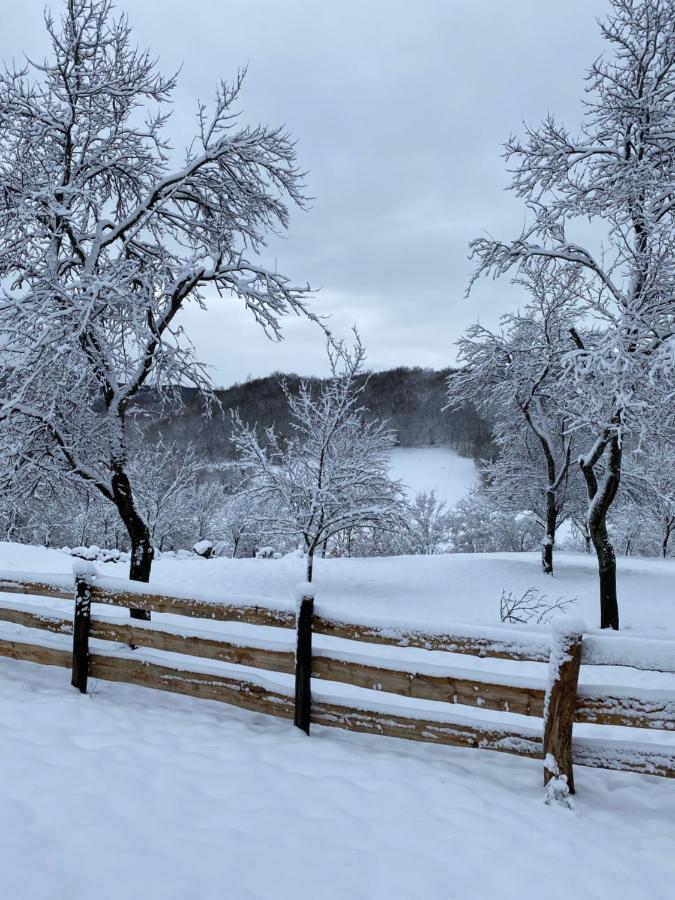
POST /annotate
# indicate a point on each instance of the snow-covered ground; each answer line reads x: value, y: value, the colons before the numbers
x: 439, y: 469
x: 129, y: 792
x: 458, y: 587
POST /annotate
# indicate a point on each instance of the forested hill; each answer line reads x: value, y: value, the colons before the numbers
x: 411, y: 400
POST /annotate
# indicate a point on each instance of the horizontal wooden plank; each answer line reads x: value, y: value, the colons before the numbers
x: 30, y: 617
x: 37, y: 653
x: 445, y: 688
x: 652, y: 709
x: 124, y: 632
x: 207, y: 686
x: 182, y: 606
x: 371, y: 721
x: 646, y: 759
x: 506, y: 647
x: 192, y: 645
x: 35, y: 589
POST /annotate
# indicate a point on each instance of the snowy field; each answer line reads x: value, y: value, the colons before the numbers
x: 439, y: 469
x: 458, y: 587
x: 135, y: 793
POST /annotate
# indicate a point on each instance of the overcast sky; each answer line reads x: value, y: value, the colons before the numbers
x: 399, y: 109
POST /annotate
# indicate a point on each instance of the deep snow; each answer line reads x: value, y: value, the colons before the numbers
x: 129, y: 792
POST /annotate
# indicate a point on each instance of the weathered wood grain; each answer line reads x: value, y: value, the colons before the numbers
x: 37, y: 653
x: 443, y: 688
x: 505, y: 740
x: 29, y: 618
x: 655, y: 709
x: 647, y: 759
x: 35, y: 588
x: 124, y: 632
x: 201, y: 609
x: 207, y: 686
x: 560, y: 704
x: 192, y: 645
x: 451, y: 643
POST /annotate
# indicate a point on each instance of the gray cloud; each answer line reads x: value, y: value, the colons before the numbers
x: 399, y: 110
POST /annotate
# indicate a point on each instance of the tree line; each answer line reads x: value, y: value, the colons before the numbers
x: 410, y: 400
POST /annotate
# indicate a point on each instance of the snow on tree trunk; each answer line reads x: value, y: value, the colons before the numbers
x: 142, y: 552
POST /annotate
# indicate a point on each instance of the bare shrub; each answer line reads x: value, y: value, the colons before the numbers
x: 532, y: 606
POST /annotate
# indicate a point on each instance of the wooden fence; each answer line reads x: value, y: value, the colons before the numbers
x: 558, y: 700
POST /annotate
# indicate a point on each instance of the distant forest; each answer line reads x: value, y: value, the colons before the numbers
x: 410, y: 400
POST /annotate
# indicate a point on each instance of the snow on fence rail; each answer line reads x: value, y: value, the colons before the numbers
x: 559, y: 701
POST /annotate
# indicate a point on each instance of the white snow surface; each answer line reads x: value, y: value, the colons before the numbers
x: 130, y: 792
x: 439, y: 469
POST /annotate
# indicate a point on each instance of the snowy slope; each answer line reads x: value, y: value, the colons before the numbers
x: 440, y: 469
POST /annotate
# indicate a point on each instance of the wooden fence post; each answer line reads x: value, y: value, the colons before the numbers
x: 561, y: 698
x: 303, y: 664
x: 81, y: 632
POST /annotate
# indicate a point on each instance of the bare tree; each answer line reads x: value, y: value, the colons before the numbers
x: 103, y: 242
x: 618, y: 172
x: 331, y: 475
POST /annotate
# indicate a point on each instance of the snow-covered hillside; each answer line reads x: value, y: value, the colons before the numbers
x: 439, y: 469
x: 130, y: 792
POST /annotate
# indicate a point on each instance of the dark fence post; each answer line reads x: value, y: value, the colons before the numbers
x: 561, y: 699
x: 303, y: 664
x: 81, y: 632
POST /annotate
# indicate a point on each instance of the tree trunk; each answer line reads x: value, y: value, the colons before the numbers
x: 549, y: 538
x: 310, y: 563
x: 601, y: 498
x: 142, y: 552
x: 551, y: 526
x: 666, y: 538
x: 547, y: 554
x: 609, y: 607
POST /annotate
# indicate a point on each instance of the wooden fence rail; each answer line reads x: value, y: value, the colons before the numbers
x: 558, y: 699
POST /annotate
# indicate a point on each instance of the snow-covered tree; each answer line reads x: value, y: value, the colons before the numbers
x: 331, y: 475
x: 515, y: 376
x: 105, y: 237
x: 477, y: 527
x: 650, y: 485
x: 166, y: 482
x: 241, y: 523
x: 617, y: 172
x: 428, y: 524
